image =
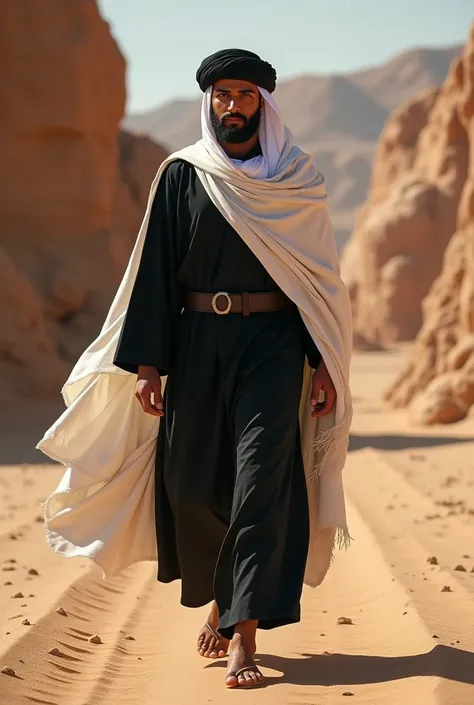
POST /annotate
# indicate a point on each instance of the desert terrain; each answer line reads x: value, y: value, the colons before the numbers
x: 406, y: 584
x: 393, y: 620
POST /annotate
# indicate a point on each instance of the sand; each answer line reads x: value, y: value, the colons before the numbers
x: 410, y: 497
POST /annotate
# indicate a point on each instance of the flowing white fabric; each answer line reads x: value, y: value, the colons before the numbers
x: 103, y: 507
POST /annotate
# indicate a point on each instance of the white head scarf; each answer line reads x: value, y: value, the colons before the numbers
x: 271, y: 135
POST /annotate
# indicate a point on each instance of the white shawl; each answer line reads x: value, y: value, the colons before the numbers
x: 103, y: 508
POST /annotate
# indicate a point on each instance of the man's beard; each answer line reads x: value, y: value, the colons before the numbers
x: 235, y: 134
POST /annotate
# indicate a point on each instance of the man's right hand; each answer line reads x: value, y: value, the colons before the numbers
x: 148, y: 390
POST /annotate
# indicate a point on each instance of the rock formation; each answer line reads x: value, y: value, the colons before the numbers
x: 73, y: 188
x: 138, y: 161
x: 438, y: 382
x: 403, y: 228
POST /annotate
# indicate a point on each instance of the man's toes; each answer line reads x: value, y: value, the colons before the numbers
x: 210, y: 649
x: 231, y: 681
x: 221, y: 653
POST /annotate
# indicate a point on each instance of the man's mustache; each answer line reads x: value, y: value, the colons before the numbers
x: 233, y: 115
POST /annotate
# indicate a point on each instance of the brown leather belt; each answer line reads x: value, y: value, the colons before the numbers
x: 245, y: 303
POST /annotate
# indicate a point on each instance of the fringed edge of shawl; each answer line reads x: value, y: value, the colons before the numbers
x: 342, y: 540
x: 331, y: 445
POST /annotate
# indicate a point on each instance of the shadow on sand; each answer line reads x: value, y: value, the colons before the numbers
x: 400, y: 442
x: 344, y: 670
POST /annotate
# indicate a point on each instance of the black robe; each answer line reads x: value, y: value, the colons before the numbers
x: 231, y: 504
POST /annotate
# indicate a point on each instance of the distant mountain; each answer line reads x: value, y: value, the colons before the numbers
x: 406, y: 74
x: 336, y: 118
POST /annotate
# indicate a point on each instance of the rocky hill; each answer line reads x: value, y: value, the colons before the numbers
x: 73, y: 188
x: 437, y: 384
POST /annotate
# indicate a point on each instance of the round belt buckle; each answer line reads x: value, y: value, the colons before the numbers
x: 221, y: 312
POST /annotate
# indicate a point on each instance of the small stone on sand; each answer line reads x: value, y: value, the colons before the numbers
x: 26, y: 622
x: 348, y: 692
x: 54, y: 651
x: 8, y: 568
x: 33, y: 571
x: 344, y: 620
x: 446, y: 588
x: 18, y: 595
x: 62, y: 611
x: 461, y: 568
x: 130, y: 638
x: 8, y: 671
x: 435, y: 636
x: 95, y: 639
x: 432, y: 560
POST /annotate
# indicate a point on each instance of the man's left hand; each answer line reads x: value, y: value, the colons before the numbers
x: 322, y: 382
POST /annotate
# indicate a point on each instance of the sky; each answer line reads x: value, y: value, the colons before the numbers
x: 164, y: 41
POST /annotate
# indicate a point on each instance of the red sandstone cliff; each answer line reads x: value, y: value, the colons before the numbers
x: 437, y: 384
x: 73, y: 188
x: 419, y: 174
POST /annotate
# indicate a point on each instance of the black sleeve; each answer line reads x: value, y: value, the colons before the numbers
x: 150, y: 325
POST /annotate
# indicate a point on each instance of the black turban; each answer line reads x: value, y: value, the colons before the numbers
x: 238, y: 64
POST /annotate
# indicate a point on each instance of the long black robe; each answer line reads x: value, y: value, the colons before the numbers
x: 231, y: 503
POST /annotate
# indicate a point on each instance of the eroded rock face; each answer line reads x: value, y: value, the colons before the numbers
x: 402, y: 230
x: 73, y: 189
x: 63, y: 95
x: 437, y: 384
x: 138, y: 162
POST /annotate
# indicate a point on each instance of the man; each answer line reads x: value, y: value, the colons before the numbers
x: 228, y: 300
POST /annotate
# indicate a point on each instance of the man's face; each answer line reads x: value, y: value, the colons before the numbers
x: 235, y: 110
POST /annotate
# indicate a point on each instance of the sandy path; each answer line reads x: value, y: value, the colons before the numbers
x: 384, y: 584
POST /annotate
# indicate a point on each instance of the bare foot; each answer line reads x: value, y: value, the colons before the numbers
x: 210, y: 643
x: 241, y: 668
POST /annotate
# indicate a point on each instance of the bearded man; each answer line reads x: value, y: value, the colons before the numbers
x: 233, y: 295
